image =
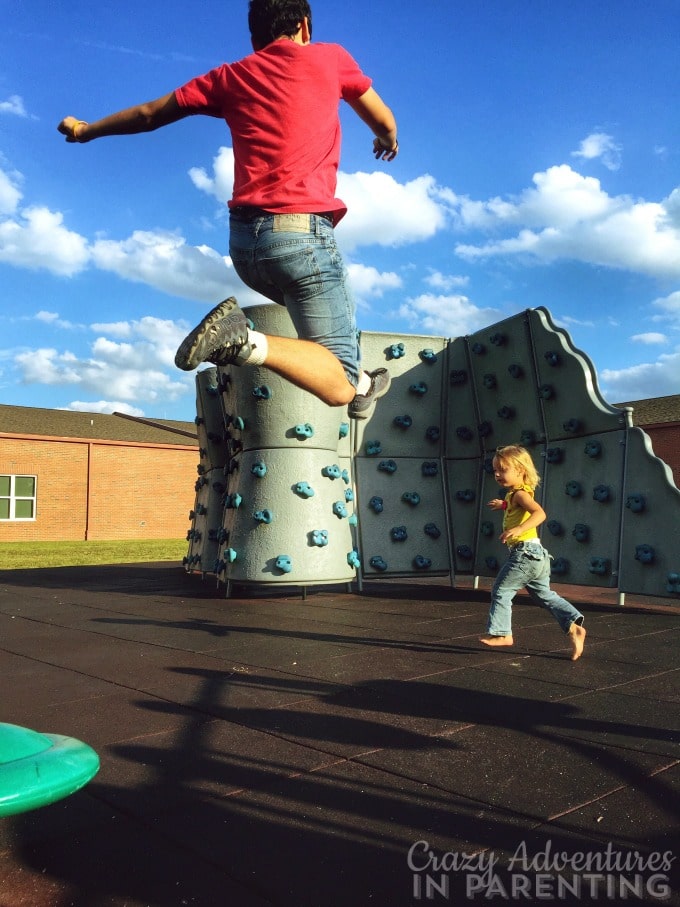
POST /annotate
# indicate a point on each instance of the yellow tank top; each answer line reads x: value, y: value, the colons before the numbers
x: 515, y: 516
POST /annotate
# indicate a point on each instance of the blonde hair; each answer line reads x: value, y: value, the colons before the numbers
x: 521, y: 459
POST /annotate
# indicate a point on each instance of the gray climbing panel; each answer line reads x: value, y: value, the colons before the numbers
x: 405, y: 492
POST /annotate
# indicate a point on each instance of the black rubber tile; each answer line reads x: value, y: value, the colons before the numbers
x: 624, y: 724
x: 351, y: 723
x: 644, y: 817
x: 340, y: 836
x: 81, y: 852
x: 526, y: 759
x: 601, y: 666
x: 664, y: 686
x: 198, y: 762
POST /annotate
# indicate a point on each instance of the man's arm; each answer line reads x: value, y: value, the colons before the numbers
x: 371, y: 108
x: 141, y: 118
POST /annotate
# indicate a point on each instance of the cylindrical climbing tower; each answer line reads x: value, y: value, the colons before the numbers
x: 288, y: 507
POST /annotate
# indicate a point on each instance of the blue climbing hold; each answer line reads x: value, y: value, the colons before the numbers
x: 263, y: 392
x: 320, y: 537
x: 635, y: 503
x: 601, y: 493
x: 645, y: 554
x: 422, y: 563
x: 303, y: 431
x: 593, y: 448
x: 581, y: 532
x: 353, y: 559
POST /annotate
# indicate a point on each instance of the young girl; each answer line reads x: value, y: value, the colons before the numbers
x: 529, y: 563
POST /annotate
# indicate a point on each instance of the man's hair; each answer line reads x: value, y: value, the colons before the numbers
x: 269, y: 19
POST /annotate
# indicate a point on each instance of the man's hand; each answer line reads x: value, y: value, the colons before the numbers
x: 71, y: 128
x: 384, y: 151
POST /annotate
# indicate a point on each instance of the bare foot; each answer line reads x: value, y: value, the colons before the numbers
x: 577, y: 637
x: 498, y: 640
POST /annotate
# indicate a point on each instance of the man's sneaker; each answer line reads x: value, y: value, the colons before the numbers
x: 363, y: 404
x: 221, y: 338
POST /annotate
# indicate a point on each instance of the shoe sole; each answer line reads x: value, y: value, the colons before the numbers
x: 228, y: 310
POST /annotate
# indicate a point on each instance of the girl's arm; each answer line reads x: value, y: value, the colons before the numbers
x: 537, y: 515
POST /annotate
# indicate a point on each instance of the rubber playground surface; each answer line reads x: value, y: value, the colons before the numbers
x: 339, y: 749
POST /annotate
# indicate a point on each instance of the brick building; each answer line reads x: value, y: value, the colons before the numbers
x: 84, y: 476
x: 659, y: 417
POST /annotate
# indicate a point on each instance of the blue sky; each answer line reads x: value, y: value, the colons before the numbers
x: 539, y: 165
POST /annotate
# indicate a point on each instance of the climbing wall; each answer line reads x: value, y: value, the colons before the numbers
x: 311, y: 497
x: 402, y: 513
x: 650, y: 543
x: 206, y: 516
x: 288, y: 506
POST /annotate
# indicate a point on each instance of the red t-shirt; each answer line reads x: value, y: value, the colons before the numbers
x: 281, y: 106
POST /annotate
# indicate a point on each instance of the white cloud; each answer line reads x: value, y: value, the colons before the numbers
x: 439, y: 281
x: 446, y: 316
x: 14, y: 105
x: 38, y: 239
x: 639, y: 382
x: 221, y: 184
x: 116, y: 328
x: 568, y: 216
x: 103, y: 407
x: 369, y: 282
x: 387, y: 213
x: 164, y: 260
x: 650, y: 338
x: 10, y: 194
x: 669, y: 307
x: 602, y: 146
x: 133, y: 371
x: 129, y: 378
x: 52, y: 319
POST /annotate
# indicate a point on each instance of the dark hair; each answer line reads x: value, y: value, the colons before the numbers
x: 269, y: 19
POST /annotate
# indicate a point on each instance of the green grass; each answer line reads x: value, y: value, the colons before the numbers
x: 22, y: 555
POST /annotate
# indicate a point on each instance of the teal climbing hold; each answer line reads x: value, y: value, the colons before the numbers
x: 39, y: 769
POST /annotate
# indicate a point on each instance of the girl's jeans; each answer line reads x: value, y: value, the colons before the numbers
x: 527, y: 567
x: 293, y: 260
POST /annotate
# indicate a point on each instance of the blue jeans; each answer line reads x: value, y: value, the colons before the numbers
x: 294, y: 261
x: 527, y: 567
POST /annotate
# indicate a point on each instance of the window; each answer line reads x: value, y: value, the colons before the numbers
x: 17, y: 497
